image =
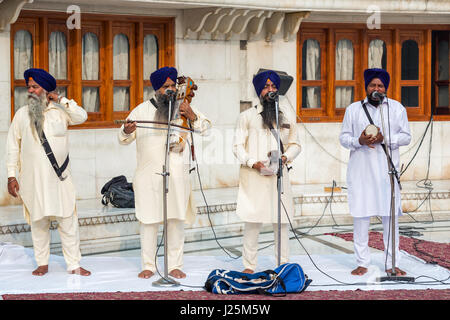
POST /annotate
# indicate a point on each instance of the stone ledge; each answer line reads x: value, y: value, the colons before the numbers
x: 131, y: 241
x: 92, y: 213
x: 107, y: 229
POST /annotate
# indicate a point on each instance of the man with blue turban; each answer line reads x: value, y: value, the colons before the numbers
x: 368, y: 179
x: 148, y: 186
x: 256, y: 147
x: 44, y: 183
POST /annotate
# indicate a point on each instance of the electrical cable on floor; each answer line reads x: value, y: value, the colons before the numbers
x: 169, y: 280
x: 309, y: 256
x: 427, y: 184
x: 357, y: 283
x: 209, y: 217
x: 159, y: 245
x: 210, y: 221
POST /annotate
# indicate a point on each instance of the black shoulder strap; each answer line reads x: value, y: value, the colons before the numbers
x: 51, y: 157
x: 153, y: 101
x: 383, y: 146
x: 367, y: 112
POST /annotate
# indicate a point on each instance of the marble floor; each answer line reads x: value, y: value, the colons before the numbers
x: 312, y: 241
x: 324, y: 257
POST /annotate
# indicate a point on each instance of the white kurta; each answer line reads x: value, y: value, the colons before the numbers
x: 42, y: 193
x: 368, y: 181
x: 257, y: 200
x: 147, y: 181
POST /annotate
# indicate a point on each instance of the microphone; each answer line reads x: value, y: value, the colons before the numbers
x: 378, y: 96
x: 170, y: 92
x: 273, y: 95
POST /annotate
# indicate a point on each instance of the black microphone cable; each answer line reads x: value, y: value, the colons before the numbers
x: 342, y: 283
x: 292, y: 229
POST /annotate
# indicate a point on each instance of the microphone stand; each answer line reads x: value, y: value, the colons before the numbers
x: 166, y: 281
x: 392, y: 173
x: 279, y: 180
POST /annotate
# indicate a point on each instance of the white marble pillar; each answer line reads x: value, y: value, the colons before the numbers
x: 5, y: 108
x: 5, y: 80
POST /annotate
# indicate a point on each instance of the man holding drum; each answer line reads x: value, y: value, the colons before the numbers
x: 368, y: 125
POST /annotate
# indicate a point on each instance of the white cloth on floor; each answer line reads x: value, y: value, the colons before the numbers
x: 119, y: 274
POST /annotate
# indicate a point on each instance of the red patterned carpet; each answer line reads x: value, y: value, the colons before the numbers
x: 203, y: 295
x: 431, y: 252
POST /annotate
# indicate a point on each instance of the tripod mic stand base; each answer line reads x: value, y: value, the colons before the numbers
x: 396, y: 279
x: 165, y: 282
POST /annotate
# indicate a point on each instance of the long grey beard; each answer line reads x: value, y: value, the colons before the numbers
x: 36, y: 107
x: 269, y: 113
x: 162, y: 113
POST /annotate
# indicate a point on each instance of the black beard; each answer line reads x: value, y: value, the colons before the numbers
x: 373, y: 102
x: 269, y: 113
x: 162, y: 113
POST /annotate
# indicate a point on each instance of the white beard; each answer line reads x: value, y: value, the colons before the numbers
x: 36, y: 107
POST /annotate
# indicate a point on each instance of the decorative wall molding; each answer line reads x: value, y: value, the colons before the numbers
x: 129, y: 216
x: 9, y: 11
x: 246, y: 22
x: 292, y: 23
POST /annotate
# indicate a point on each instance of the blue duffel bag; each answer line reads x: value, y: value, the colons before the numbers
x: 287, y: 278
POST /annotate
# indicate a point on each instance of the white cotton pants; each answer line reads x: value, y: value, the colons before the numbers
x: 361, y: 241
x: 70, y: 240
x: 250, y: 245
x: 175, y: 247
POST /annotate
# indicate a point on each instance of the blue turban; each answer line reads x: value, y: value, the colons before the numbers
x: 383, y: 75
x: 260, y: 80
x: 41, y: 77
x: 159, y: 77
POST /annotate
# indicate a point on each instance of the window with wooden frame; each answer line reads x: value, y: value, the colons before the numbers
x: 441, y: 72
x: 332, y: 59
x: 411, y: 71
x: 105, y: 66
x: 346, y: 62
x: 313, y: 72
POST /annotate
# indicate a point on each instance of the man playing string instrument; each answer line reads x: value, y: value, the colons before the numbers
x: 148, y: 185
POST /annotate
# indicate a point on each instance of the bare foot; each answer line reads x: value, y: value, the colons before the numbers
x: 248, y: 271
x: 145, y: 274
x: 80, y: 271
x: 177, y: 273
x: 40, y: 271
x: 398, y: 272
x: 359, y: 271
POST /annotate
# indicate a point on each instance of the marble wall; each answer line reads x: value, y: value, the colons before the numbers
x: 5, y: 108
x: 223, y: 71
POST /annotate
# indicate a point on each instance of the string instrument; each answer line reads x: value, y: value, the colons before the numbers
x: 185, y: 93
x: 153, y: 122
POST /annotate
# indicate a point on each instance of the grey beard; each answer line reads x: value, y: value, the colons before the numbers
x: 36, y: 106
x: 162, y: 113
x: 269, y: 115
